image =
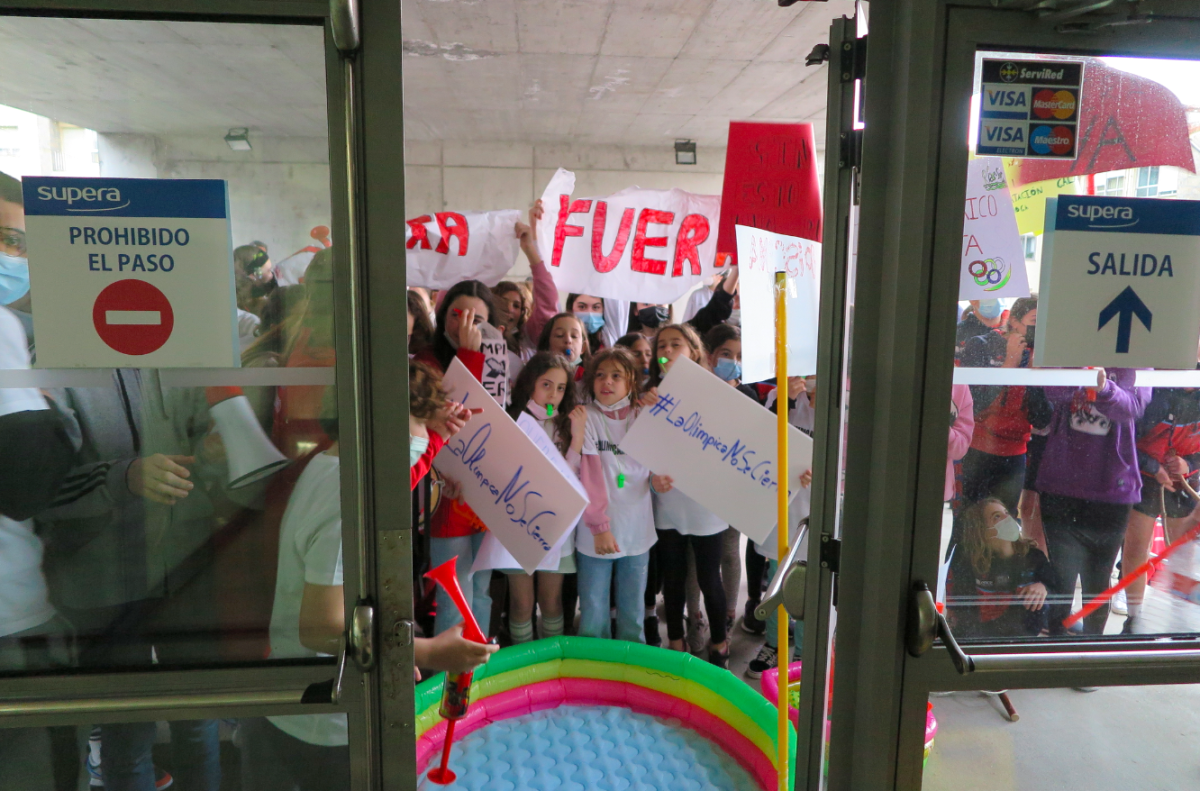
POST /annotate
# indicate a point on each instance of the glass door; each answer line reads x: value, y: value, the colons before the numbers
x: 190, y: 524
x: 993, y: 643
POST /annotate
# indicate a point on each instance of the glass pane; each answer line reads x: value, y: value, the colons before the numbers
x: 207, y: 755
x: 1057, y: 489
x: 1117, y: 738
x: 156, y: 511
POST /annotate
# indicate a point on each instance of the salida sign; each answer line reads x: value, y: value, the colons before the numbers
x: 644, y: 245
x: 449, y: 246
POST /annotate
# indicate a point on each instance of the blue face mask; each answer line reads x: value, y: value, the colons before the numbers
x: 592, y: 322
x: 989, y: 308
x: 727, y: 369
x: 14, y: 278
x: 416, y: 449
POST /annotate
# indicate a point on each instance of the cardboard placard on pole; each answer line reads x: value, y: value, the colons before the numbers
x: 993, y: 257
x: 762, y: 254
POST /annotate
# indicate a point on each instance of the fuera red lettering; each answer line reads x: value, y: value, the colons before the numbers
x: 692, y: 233
x: 458, y: 230
x: 419, y: 233
x: 638, y: 260
x: 606, y: 263
x: 562, y: 230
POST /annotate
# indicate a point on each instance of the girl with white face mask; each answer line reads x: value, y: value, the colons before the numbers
x: 432, y: 419
x: 998, y: 581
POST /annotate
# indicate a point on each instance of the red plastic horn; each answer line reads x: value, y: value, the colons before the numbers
x: 445, y: 576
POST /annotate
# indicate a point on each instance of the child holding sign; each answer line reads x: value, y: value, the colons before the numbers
x: 545, y: 391
x: 619, y: 516
x: 682, y: 523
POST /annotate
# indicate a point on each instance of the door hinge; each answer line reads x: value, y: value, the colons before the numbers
x: 831, y: 554
x: 850, y: 148
x: 852, y: 60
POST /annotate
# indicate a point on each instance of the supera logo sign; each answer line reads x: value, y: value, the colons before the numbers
x: 97, y: 199
x: 1052, y: 140
x: 1103, y: 216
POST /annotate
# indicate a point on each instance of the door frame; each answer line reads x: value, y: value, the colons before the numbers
x: 364, y: 110
x: 919, y: 78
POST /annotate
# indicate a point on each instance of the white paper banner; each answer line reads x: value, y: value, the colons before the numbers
x: 636, y: 245
x: 760, y: 255
x: 993, y: 258
x: 449, y: 246
x: 519, y: 494
x: 719, y: 446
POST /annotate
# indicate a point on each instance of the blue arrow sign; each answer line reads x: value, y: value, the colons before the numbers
x: 1126, y: 305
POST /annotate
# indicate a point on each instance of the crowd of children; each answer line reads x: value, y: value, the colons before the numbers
x: 1055, y: 490
x: 583, y: 374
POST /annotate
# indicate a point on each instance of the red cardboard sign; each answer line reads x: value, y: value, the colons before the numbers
x: 770, y: 182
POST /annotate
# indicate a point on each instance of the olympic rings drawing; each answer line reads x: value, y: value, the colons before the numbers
x: 990, y: 274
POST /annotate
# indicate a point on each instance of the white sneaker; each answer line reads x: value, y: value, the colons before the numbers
x: 1118, y: 604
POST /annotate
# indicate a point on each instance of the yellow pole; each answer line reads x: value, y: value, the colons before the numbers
x: 781, y: 407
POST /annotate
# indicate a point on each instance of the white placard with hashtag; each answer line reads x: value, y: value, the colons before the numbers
x: 719, y: 447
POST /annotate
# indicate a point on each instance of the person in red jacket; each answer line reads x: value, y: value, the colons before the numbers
x: 456, y: 531
x: 432, y: 419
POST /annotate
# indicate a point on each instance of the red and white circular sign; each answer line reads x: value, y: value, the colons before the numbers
x: 133, y: 317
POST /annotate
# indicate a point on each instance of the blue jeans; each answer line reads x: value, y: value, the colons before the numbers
x: 773, y: 618
x: 474, y: 586
x: 127, y: 761
x: 595, y: 583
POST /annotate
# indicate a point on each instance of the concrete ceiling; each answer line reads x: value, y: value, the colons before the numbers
x: 637, y: 72
x: 191, y: 78
x: 633, y: 72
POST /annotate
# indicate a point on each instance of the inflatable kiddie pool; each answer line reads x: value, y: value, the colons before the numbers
x: 571, y: 711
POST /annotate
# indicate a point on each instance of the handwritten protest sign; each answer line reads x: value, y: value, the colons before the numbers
x: 993, y: 258
x: 522, y: 497
x: 719, y: 446
x: 1029, y: 200
x: 495, y: 363
x: 492, y: 554
x: 442, y: 249
x: 636, y: 245
x: 762, y: 254
x: 770, y: 182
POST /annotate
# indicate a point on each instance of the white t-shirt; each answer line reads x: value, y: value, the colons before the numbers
x: 676, y: 511
x: 24, y: 599
x: 290, y: 271
x: 310, y: 551
x: 630, y: 512
x: 248, y: 325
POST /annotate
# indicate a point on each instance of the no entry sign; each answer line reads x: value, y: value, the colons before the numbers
x: 133, y: 317
x: 131, y: 273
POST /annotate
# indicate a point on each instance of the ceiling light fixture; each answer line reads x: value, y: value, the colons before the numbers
x: 685, y: 152
x: 238, y: 138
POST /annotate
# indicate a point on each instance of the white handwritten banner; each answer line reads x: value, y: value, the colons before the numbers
x: 492, y: 554
x: 760, y: 255
x: 636, y: 245
x: 719, y: 446
x: 993, y: 258
x: 522, y: 497
x: 449, y: 246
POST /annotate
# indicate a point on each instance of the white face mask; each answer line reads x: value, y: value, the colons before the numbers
x: 624, y: 402
x: 416, y: 449
x: 1007, y: 529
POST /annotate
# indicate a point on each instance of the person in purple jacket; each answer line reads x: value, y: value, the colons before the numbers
x: 1089, y: 479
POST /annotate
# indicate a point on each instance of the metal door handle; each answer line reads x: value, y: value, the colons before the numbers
x: 358, y: 643
x: 926, y: 624
x: 787, y: 586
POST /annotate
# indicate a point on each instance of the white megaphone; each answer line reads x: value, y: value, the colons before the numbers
x: 248, y: 450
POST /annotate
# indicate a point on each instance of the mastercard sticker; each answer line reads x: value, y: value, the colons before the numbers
x: 1057, y: 104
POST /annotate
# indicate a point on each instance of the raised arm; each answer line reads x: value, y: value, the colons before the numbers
x: 545, y: 293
